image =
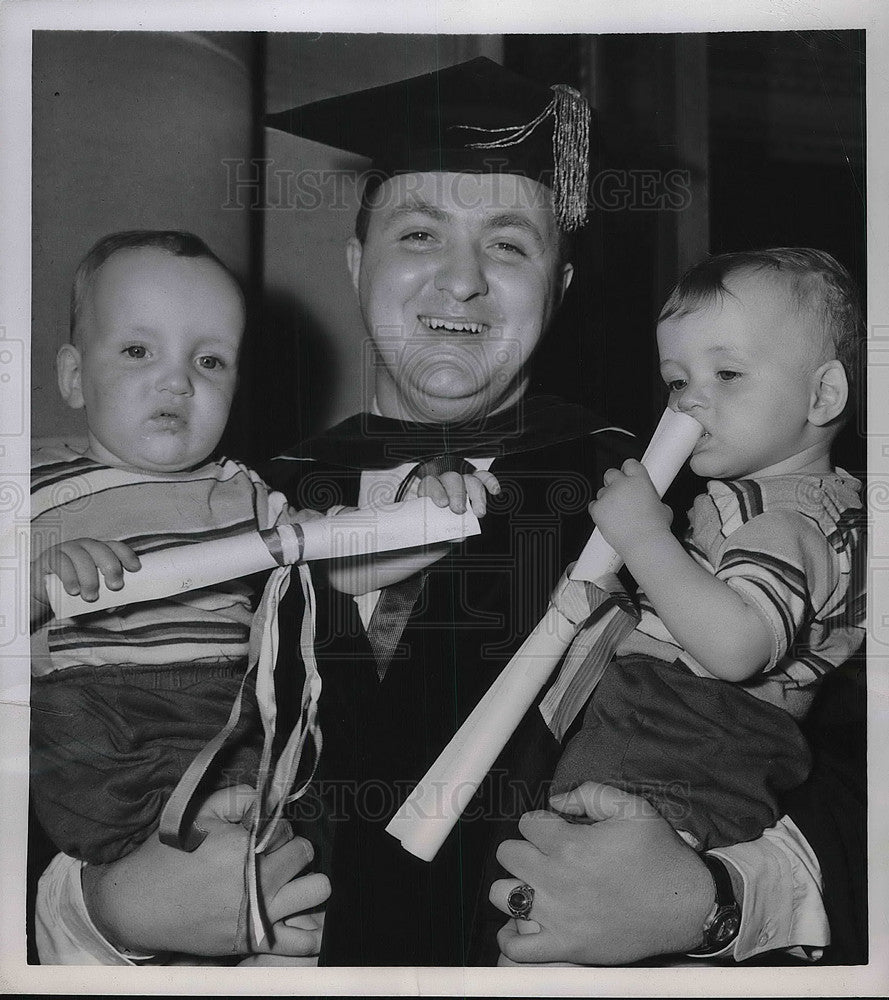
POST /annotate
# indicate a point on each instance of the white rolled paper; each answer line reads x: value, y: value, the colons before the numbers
x: 372, y: 529
x: 429, y: 813
x: 671, y: 444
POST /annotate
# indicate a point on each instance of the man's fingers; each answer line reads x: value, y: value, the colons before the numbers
x: 520, y: 859
x: 544, y: 829
x: 498, y: 894
x: 599, y: 802
x: 276, y: 870
x: 295, y: 941
x: 230, y: 804
x: 282, y: 833
x: 313, y: 921
x: 297, y: 895
x: 523, y: 948
x: 279, y: 961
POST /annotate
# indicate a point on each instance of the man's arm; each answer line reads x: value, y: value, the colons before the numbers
x: 777, y: 880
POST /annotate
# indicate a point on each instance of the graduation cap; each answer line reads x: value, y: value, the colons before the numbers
x: 475, y: 117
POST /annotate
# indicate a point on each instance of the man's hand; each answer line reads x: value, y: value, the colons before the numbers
x: 451, y: 489
x: 622, y: 888
x: 160, y: 899
x: 627, y: 507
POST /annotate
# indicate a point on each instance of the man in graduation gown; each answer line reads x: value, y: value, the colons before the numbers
x: 458, y: 275
x: 459, y: 263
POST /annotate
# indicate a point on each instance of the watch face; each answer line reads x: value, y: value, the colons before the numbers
x: 725, y: 927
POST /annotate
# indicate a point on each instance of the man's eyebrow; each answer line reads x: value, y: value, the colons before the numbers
x: 418, y: 208
x: 514, y: 220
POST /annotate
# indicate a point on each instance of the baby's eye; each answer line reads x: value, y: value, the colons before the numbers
x: 727, y: 376
x: 677, y: 385
x: 210, y: 363
x: 135, y: 351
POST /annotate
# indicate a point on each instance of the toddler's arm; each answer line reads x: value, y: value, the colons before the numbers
x: 77, y: 563
x: 705, y: 615
x: 364, y: 574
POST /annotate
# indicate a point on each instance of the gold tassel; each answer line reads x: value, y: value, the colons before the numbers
x: 571, y: 148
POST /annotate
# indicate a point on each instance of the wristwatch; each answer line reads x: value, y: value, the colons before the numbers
x: 724, y: 920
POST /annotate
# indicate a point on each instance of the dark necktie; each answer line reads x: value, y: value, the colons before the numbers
x: 397, y: 601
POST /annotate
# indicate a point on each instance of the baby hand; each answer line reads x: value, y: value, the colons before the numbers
x: 627, y: 506
x: 77, y: 564
x: 452, y: 488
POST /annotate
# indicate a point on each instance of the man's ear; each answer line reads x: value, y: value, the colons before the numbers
x: 830, y: 391
x: 354, y: 249
x: 68, y: 369
x: 565, y: 276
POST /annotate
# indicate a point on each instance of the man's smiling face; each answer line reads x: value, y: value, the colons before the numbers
x: 457, y: 280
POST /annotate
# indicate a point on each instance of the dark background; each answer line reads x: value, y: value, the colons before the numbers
x: 773, y: 134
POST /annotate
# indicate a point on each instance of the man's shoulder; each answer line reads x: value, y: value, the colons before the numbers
x: 310, y: 483
x: 599, y: 448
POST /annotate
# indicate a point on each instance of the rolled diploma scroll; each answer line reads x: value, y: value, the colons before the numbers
x: 429, y: 813
x: 372, y: 529
x: 673, y: 441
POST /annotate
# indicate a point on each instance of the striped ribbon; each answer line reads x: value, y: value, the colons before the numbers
x: 605, y: 617
x: 272, y: 787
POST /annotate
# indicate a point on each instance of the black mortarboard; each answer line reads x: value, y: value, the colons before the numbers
x: 472, y: 117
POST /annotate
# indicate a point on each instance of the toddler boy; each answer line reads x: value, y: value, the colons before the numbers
x: 766, y: 592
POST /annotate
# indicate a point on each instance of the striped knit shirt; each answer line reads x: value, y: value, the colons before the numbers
x: 75, y: 497
x: 793, y: 547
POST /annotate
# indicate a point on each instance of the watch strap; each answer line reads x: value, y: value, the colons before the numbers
x: 723, y: 922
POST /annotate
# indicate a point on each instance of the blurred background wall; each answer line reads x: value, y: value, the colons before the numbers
x: 128, y: 132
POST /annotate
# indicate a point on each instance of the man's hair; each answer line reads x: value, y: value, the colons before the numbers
x: 819, y: 283
x: 173, y: 241
x: 362, y: 222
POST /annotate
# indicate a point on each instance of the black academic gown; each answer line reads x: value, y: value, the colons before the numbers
x: 476, y: 607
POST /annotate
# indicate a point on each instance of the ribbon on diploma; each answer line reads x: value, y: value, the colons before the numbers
x: 588, y: 615
x: 274, y: 788
x: 351, y: 533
